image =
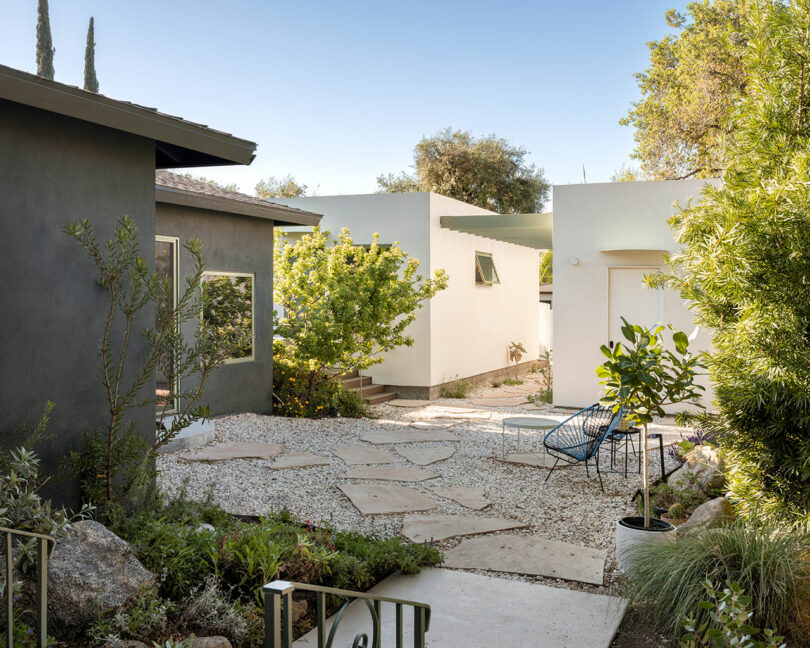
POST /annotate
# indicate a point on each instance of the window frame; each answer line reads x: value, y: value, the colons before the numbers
x: 252, y: 275
x: 160, y: 238
x: 480, y: 272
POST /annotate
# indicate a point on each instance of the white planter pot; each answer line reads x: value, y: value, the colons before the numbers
x: 629, y: 537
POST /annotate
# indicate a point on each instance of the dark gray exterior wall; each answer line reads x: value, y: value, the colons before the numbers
x: 53, y: 170
x: 231, y: 244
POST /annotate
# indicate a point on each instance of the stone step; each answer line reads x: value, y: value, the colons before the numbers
x: 376, y: 399
x: 470, y: 610
x: 356, y: 381
x: 369, y: 389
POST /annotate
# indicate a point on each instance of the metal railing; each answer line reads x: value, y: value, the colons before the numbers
x: 43, y: 553
x: 278, y: 616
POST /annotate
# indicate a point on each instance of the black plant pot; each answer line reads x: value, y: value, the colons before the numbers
x: 637, y: 522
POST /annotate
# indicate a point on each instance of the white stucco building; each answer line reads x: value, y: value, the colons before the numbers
x: 606, y: 238
x: 464, y: 331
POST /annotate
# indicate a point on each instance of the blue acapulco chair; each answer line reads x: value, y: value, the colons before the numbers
x: 577, y: 439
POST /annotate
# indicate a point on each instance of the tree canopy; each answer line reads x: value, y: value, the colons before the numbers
x: 285, y: 187
x: 488, y: 172
x: 745, y: 268
x: 345, y: 304
x: 90, y: 79
x: 45, y: 49
x: 689, y: 91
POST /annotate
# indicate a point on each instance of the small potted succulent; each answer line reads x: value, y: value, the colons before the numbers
x: 642, y: 376
x: 676, y: 514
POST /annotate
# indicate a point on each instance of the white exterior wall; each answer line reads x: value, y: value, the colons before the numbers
x: 472, y: 325
x: 545, y: 328
x: 589, y: 218
x: 465, y: 329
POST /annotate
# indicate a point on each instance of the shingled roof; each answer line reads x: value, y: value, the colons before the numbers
x: 178, y: 142
x: 176, y: 189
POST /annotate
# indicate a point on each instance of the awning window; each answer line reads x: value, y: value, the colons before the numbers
x: 485, y: 272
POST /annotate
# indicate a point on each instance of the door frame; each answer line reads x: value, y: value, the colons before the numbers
x: 607, y: 290
x: 174, y: 408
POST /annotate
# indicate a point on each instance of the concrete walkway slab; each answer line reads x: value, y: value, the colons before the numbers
x: 299, y: 460
x: 379, y: 499
x: 474, y: 611
x: 531, y: 556
x: 426, y: 456
x: 432, y: 528
x: 408, y: 435
x: 364, y: 454
x: 536, y: 459
x: 390, y: 473
x: 434, y: 424
x: 408, y: 402
x: 499, y: 402
x: 199, y: 433
x: 235, y: 450
x: 468, y: 497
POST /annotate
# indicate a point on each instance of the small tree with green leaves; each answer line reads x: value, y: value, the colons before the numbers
x: 117, y: 461
x: 345, y: 304
x: 643, y: 377
x: 90, y: 79
x: 45, y: 49
x: 286, y: 187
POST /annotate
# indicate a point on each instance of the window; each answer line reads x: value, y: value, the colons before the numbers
x: 166, y: 267
x: 485, y: 272
x: 228, y: 312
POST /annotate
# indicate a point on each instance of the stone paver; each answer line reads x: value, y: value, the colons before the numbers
x: 235, y: 450
x: 408, y: 435
x: 390, y: 473
x: 364, y: 454
x: 432, y: 528
x: 299, y: 460
x: 468, y: 497
x: 408, y: 402
x: 426, y: 456
x: 498, y: 402
x: 435, y: 423
x: 380, y: 499
x: 531, y: 556
x: 475, y: 611
x: 537, y: 459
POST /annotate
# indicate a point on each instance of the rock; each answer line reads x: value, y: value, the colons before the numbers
x: 708, y: 515
x: 127, y: 643
x: 299, y: 609
x: 210, y: 642
x: 91, y: 570
x: 705, y: 463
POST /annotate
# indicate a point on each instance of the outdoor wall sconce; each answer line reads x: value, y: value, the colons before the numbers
x: 573, y: 260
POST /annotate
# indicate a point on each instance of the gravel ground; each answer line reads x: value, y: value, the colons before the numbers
x: 569, y: 507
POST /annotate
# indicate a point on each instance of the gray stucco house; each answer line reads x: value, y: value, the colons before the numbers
x: 67, y: 154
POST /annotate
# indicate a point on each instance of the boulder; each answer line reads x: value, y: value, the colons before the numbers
x: 127, y: 643
x: 708, y: 515
x: 210, y: 642
x: 705, y: 464
x: 91, y: 571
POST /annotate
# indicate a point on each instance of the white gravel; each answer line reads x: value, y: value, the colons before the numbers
x: 569, y: 507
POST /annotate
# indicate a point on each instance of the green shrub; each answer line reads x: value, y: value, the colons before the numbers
x: 513, y: 381
x: 209, y: 612
x: 147, y: 618
x: 771, y: 564
x: 327, y: 396
x: 730, y: 618
x: 456, y: 389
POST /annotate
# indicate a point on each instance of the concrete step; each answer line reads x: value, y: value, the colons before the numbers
x: 356, y: 381
x: 369, y: 389
x: 350, y: 374
x: 376, y: 399
x: 472, y: 611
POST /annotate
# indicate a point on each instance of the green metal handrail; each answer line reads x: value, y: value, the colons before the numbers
x: 43, y: 554
x: 278, y: 616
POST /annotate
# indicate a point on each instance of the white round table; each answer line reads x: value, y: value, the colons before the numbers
x: 525, y: 423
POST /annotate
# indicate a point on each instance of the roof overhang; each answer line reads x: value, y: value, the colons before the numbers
x: 279, y: 214
x: 178, y: 143
x: 528, y: 230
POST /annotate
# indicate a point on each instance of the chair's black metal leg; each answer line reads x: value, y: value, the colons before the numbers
x: 601, y: 485
x: 587, y: 472
x: 552, y: 470
x: 626, y: 437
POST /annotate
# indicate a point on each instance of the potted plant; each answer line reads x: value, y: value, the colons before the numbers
x: 643, y: 376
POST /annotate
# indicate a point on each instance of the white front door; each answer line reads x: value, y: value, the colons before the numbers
x: 629, y: 297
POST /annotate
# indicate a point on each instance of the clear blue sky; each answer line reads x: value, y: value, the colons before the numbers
x: 337, y: 92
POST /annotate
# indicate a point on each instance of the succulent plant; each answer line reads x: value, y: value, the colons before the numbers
x: 677, y: 511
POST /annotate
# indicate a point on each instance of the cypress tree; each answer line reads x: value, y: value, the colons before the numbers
x: 90, y: 79
x: 45, y: 48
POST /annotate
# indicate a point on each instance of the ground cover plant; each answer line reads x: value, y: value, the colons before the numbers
x: 771, y: 564
x: 458, y: 388
x: 197, y: 545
